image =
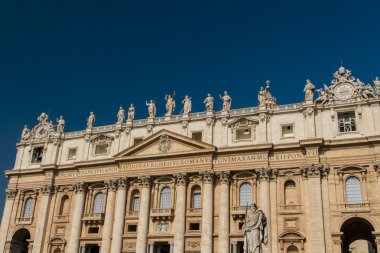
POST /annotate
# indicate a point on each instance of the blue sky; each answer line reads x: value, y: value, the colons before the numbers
x: 72, y: 57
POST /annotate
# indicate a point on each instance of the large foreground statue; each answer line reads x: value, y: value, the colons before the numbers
x: 255, y: 230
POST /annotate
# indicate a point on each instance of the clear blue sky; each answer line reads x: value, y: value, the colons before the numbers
x: 72, y: 57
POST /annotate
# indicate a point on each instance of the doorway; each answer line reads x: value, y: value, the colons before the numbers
x: 20, y: 242
x: 161, y: 247
x: 357, y: 236
x: 92, y: 248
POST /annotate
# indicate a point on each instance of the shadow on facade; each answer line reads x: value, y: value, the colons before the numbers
x: 20, y: 241
x: 357, y: 236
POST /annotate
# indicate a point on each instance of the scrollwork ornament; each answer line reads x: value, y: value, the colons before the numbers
x: 47, y: 189
x: 149, y: 128
x: 224, y: 177
x: 11, y: 193
x: 80, y: 187
x: 181, y: 179
x: 144, y: 181
x: 122, y: 183
x: 209, y: 121
x: 111, y: 185
x: 207, y: 177
x: 263, y: 174
x: 315, y: 170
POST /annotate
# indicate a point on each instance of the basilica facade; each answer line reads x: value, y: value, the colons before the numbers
x: 182, y: 182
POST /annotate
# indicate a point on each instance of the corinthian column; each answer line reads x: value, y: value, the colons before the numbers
x: 108, y: 219
x: 142, y: 229
x: 264, y: 175
x: 224, y: 213
x: 76, y: 225
x: 180, y: 214
x: 8, y: 209
x: 118, y: 225
x: 207, y: 212
x: 313, y: 174
x: 39, y: 237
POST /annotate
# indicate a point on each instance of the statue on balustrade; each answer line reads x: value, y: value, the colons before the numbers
x: 255, y: 230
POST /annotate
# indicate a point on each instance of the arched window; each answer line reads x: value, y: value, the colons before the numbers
x: 245, y: 194
x: 135, y: 201
x: 353, y: 190
x: 98, y: 203
x: 165, y: 198
x: 292, y: 249
x: 290, y: 193
x: 28, y: 208
x: 196, y: 197
x: 64, y: 207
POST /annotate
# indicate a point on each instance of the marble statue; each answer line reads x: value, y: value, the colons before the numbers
x: 261, y: 96
x: 61, y: 124
x: 91, y: 120
x: 209, y: 102
x: 120, y: 115
x: 366, y: 91
x: 170, y: 104
x: 186, y: 105
x: 309, y: 91
x: 25, y: 133
x: 255, y: 230
x: 376, y: 83
x: 131, y: 112
x: 226, y: 101
x: 151, y: 108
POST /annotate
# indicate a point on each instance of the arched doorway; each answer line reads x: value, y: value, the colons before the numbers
x: 19, y: 243
x: 357, y: 236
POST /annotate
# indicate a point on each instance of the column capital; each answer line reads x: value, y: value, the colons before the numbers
x: 111, y: 185
x: 266, y: 174
x: 80, y: 187
x: 122, y: 183
x: 314, y: 170
x: 224, y: 177
x: 145, y: 181
x: 207, y: 177
x: 181, y: 179
x: 11, y: 193
x: 47, y: 189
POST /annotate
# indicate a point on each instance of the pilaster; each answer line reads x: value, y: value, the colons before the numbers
x: 224, y: 212
x: 142, y: 230
x: 207, y: 212
x: 8, y: 209
x: 180, y: 214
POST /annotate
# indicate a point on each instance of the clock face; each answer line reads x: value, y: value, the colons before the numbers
x: 344, y: 91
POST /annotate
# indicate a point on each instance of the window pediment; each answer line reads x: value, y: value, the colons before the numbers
x: 103, y: 138
x: 242, y: 122
x: 352, y: 169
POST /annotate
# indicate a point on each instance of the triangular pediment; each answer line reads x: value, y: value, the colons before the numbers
x: 164, y: 143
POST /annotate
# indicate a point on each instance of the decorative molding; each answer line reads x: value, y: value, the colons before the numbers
x: 224, y: 177
x: 181, y: 179
x: 111, y: 185
x: 80, y: 187
x: 145, y: 181
x: 207, y: 177
x: 314, y: 170
x: 11, y: 193
x: 47, y: 189
x: 122, y: 183
x: 266, y: 174
x: 165, y: 144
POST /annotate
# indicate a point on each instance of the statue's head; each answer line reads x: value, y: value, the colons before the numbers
x: 209, y: 94
x: 261, y: 88
x: 151, y: 101
x: 253, y: 207
x: 91, y: 113
x: 131, y: 105
x: 225, y: 92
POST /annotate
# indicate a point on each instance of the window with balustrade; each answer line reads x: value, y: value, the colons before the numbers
x: 245, y: 194
x: 353, y: 190
x: 196, y: 197
x: 135, y: 201
x: 28, y: 208
x: 165, y: 198
x: 98, y: 203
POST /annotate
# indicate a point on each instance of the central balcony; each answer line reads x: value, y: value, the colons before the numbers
x: 93, y: 218
x: 238, y: 212
x: 194, y: 212
x: 363, y: 207
x: 291, y: 209
x: 162, y: 214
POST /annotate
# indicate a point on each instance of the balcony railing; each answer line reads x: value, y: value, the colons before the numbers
x: 93, y: 218
x: 355, y: 207
x: 132, y: 213
x: 24, y: 220
x: 194, y: 211
x: 238, y: 212
x: 62, y: 218
x: 291, y: 208
x: 162, y: 214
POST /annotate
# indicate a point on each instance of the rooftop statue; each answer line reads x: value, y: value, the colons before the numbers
x: 25, y: 133
x: 255, y: 230
x: 265, y: 97
x: 209, y: 102
x: 91, y: 120
x: 226, y: 101
x: 120, y: 115
x: 151, y: 108
x: 376, y: 83
x: 309, y: 91
x: 61, y: 124
x: 170, y: 104
x: 261, y: 96
x: 131, y: 113
x: 186, y: 105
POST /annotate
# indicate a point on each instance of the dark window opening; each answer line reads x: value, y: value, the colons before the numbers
x: 197, y: 136
x: 194, y: 226
x: 93, y: 230
x: 37, y: 155
x: 132, y: 228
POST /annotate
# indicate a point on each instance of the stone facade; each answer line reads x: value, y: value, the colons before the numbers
x: 181, y: 183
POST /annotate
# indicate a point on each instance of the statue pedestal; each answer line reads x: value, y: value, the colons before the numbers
x: 210, y: 113
x: 167, y: 117
x: 89, y: 130
x: 129, y: 122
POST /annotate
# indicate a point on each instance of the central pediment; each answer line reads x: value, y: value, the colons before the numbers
x: 165, y: 143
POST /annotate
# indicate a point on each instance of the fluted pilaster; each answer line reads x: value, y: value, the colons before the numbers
x: 142, y: 230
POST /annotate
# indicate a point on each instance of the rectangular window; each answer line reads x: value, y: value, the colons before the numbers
x: 347, y: 122
x: 137, y: 140
x: 101, y: 149
x: 197, y: 200
x: 72, y: 154
x: 243, y: 134
x: 132, y: 228
x: 136, y: 204
x: 287, y: 131
x: 37, y: 154
x: 93, y: 230
x: 194, y: 226
x: 196, y: 136
x: 241, y: 225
